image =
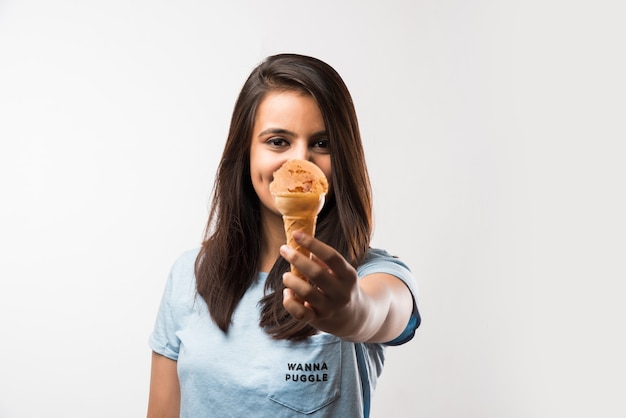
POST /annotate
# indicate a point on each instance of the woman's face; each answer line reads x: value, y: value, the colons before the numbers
x: 288, y: 125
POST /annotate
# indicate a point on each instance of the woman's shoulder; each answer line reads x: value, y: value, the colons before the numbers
x: 187, y: 258
x: 381, y: 261
x: 381, y: 257
x: 182, y: 272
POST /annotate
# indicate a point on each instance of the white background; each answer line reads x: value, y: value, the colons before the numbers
x: 494, y: 132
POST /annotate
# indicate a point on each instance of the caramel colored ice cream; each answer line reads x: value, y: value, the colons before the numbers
x: 299, y: 189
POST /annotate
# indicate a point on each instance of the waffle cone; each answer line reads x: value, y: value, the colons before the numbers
x: 298, y: 223
x: 299, y: 212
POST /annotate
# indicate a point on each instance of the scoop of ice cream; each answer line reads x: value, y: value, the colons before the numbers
x: 299, y: 176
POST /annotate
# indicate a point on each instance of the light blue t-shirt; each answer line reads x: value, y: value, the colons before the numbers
x: 247, y: 373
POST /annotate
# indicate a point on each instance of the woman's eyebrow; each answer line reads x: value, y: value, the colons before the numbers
x: 320, y: 133
x: 286, y: 132
x: 280, y: 131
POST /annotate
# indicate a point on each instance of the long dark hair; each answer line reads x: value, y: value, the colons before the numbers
x: 228, y: 261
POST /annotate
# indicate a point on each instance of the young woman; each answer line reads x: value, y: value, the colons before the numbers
x: 237, y: 334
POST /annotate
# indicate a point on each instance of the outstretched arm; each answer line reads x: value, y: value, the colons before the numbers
x: 375, y: 308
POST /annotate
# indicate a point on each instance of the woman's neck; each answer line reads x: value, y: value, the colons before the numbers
x: 273, y: 237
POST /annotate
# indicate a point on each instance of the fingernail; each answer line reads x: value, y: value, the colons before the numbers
x: 297, y: 235
x: 286, y: 250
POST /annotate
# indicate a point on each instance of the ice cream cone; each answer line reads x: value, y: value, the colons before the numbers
x: 299, y: 214
x: 299, y: 188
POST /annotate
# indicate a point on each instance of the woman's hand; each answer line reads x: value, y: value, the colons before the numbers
x: 324, y: 300
x: 375, y: 308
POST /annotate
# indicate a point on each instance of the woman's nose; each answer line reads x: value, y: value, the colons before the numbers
x: 300, y: 151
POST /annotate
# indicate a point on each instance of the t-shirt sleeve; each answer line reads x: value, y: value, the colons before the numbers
x: 163, y: 339
x: 380, y: 261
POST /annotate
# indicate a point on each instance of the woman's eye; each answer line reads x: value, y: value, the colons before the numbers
x: 276, y: 142
x: 322, y: 143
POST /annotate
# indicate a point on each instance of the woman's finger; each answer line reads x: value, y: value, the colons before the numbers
x: 327, y: 255
x: 300, y: 310
x: 317, y: 274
